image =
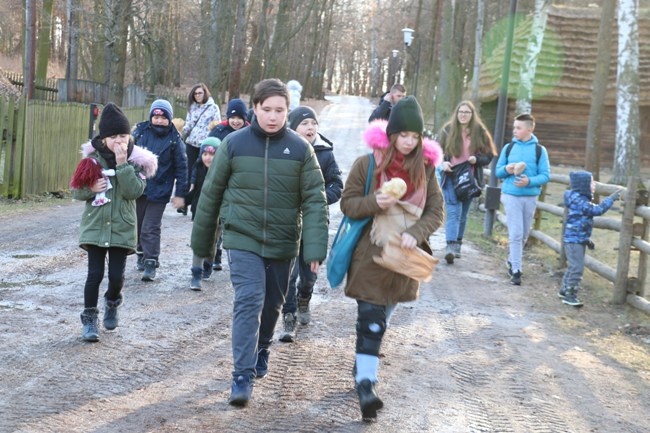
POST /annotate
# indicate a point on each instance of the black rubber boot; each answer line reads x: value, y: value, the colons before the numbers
x: 207, y: 270
x: 149, y: 270
x: 195, y: 284
x: 140, y: 263
x: 216, y: 265
x: 89, y: 321
x: 111, y: 319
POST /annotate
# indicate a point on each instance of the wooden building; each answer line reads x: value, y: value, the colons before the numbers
x: 563, y: 84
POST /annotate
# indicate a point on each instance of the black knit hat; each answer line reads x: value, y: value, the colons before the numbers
x: 236, y: 107
x: 406, y: 115
x: 113, y: 122
x: 299, y: 114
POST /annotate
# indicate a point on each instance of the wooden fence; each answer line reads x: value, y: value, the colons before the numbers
x: 633, y: 228
x: 44, y: 90
x: 40, y: 143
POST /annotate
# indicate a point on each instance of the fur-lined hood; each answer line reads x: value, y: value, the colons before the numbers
x: 375, y: 137
x: 141, y: 157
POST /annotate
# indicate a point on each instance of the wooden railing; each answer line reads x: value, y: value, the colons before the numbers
x: 633, y: 228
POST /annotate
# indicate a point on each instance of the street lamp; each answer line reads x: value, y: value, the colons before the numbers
x: 408, y: 41
x: 396, y: 67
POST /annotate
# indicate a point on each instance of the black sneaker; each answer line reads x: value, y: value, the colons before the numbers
x: 561, y: 293
x: 509, y: 266
x: 515, y: 279
x: 572, y: 300
x: 369, y: 401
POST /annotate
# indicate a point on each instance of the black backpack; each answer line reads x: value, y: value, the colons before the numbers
x: 508, y: 148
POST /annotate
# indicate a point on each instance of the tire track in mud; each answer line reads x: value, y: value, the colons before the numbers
x: 489, y: 371
x: 154, y: 343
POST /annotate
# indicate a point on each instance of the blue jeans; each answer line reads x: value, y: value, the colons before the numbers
x: 305, y: 287
x: 456, y: 212
x: 260, y: 286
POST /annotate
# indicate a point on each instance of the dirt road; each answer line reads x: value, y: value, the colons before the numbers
x: 474, y: 354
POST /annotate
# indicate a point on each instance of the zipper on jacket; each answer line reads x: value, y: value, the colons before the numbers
x: 266, y: 194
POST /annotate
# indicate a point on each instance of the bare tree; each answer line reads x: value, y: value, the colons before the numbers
x: 478, y: 36
x: 626, y: 156
x: 44, y: 41
x: 529, y: 63
x: 601, y: 75
x: 234, y: 82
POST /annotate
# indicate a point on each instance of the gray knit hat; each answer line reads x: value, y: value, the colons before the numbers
x: 163, y: 106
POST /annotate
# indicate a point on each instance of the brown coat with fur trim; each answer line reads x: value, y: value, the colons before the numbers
x: 366, y: 280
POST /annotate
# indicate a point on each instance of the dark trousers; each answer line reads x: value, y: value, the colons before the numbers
x: 303, y: 287
x: 260, y: 285
x: 150, y: 215
x: 96, y: 266
x: 192, y: 155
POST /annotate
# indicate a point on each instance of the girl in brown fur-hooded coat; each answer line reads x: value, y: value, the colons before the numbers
x: 399, y: 151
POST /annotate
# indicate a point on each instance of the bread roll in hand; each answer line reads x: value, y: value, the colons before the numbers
x: 519, y: 168
x: 396, y: 187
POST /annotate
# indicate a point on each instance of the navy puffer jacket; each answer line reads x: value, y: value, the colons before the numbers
x: 172, y: 161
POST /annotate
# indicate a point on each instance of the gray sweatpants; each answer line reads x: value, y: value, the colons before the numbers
x: 520, y: 211
x: 260, y: 286
x: 575, y: 256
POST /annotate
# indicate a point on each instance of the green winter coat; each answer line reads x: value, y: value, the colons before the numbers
x: 112, y: 224
x: 267, y: 190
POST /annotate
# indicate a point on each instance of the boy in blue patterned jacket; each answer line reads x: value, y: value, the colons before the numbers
x: 577, y: 230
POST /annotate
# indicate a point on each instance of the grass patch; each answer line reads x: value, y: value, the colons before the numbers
x: 12, y: 207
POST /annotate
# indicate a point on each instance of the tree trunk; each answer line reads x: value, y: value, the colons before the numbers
x: 626, y: 156
x: 72, y: 66
x: 115, y: 49
x: 529, y: 63
x: 215, y: 49
x: 256, y: 66
x: 601, y: 76
x: 234, y: 81
x: 30, y: 48
x: 44, y: 41
x: 450, y: 75
x: 478, y: 36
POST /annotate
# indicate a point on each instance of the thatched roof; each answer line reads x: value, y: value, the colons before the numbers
x: 566, y: 65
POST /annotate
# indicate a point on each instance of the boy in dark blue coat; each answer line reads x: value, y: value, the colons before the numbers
x: 577, y: 230
x: 304, y: 121
x: 159, y: 135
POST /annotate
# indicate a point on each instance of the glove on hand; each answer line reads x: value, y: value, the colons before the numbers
x: 591, y: 245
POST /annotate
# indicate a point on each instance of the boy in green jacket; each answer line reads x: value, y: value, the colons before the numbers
x: 267, y: 187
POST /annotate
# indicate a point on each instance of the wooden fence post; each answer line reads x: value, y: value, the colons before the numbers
x: 625, y: 243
